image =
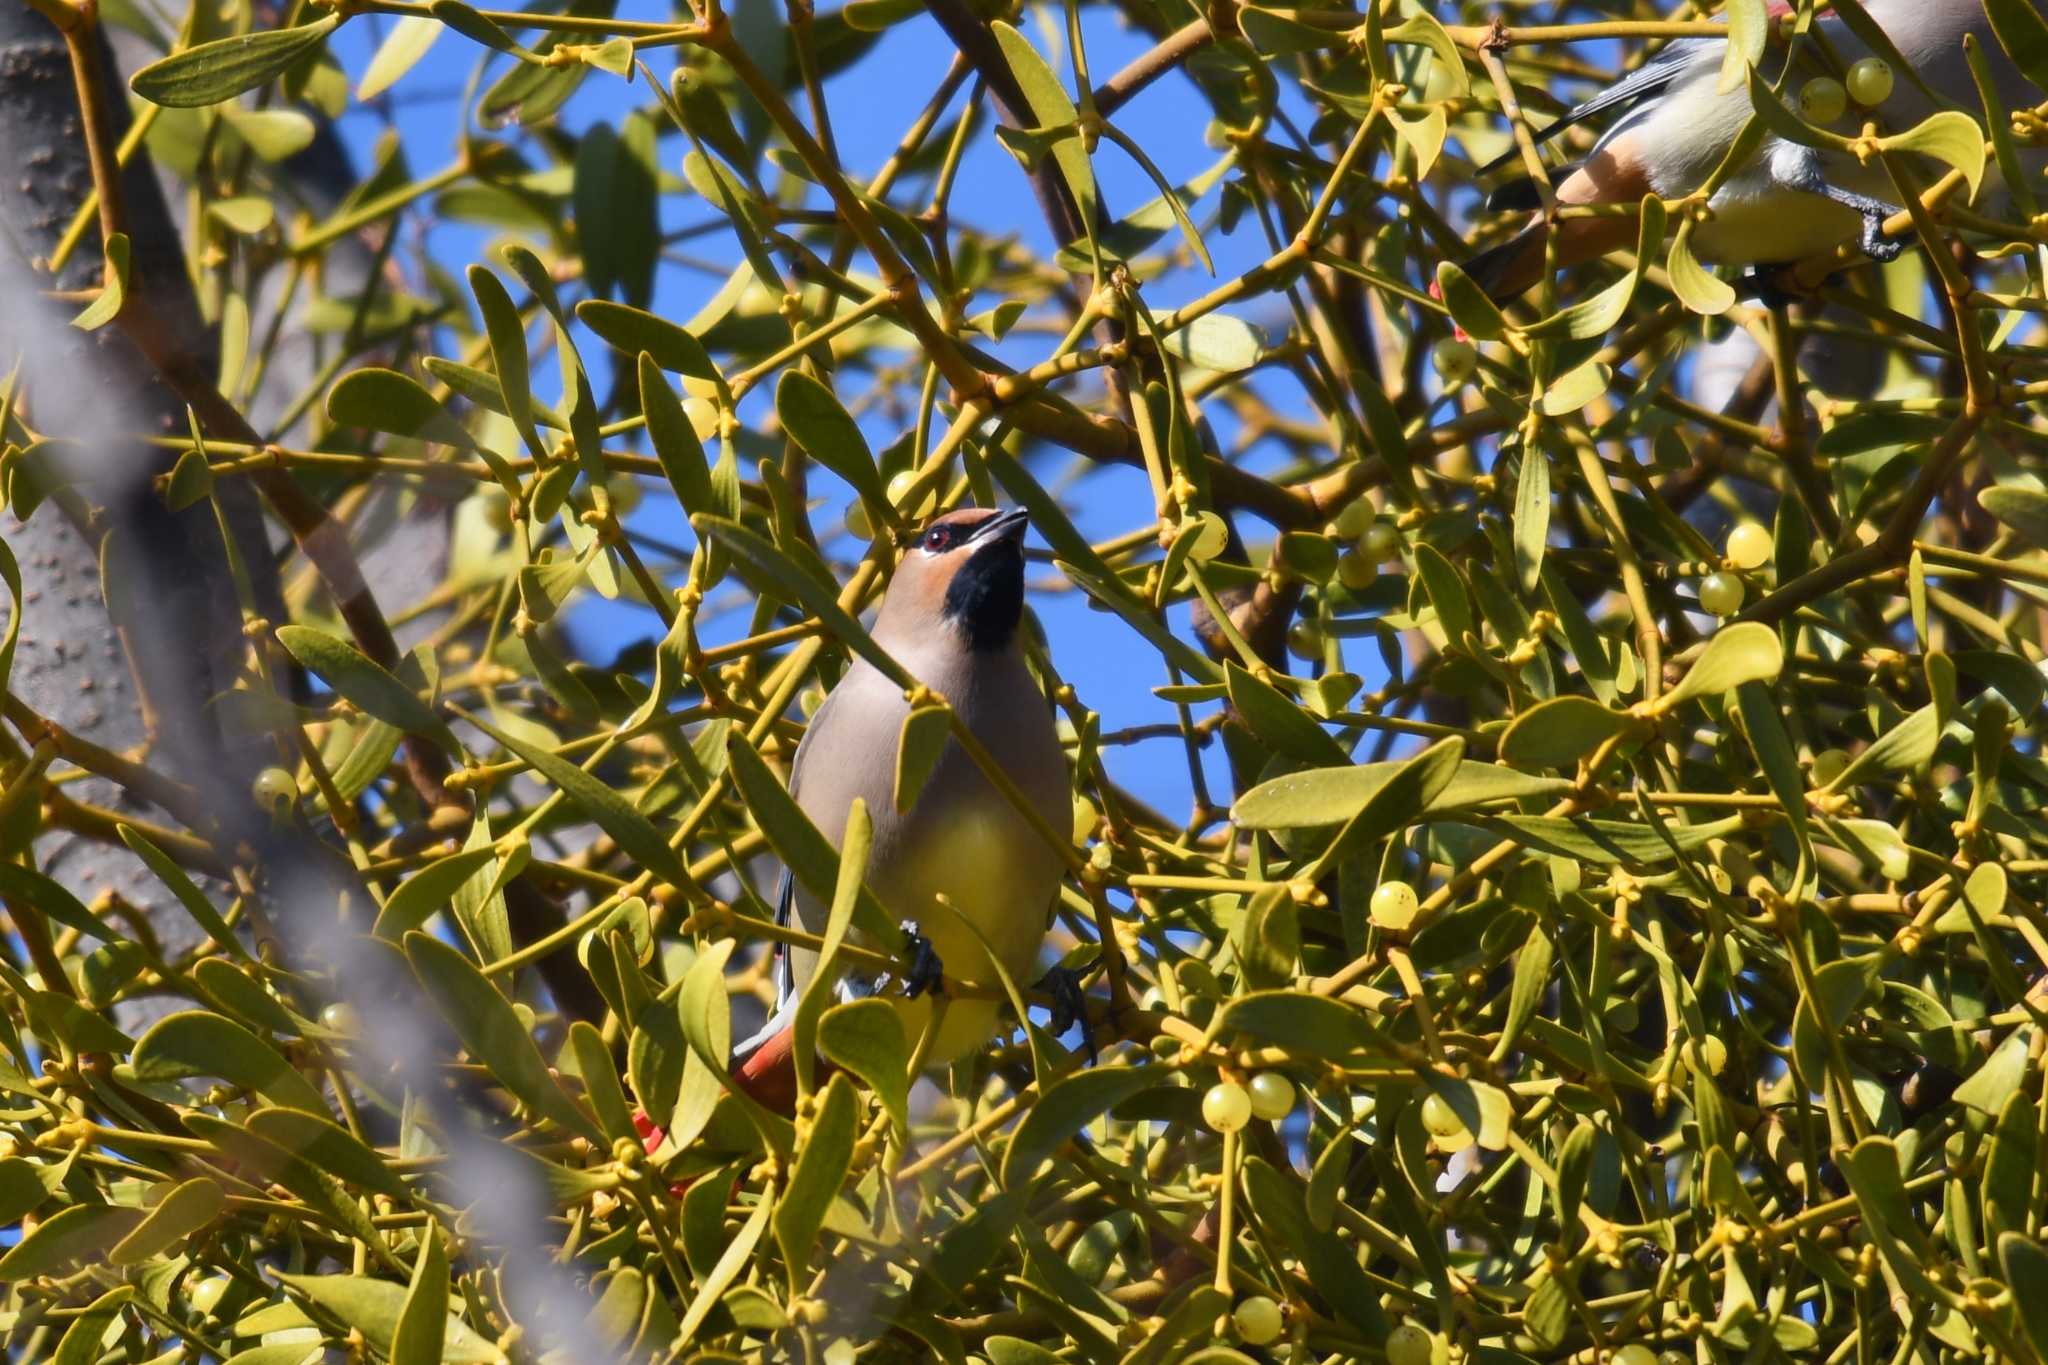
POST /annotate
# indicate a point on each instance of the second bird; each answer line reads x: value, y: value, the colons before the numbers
x: 951, y: 616
x: 1788, y: 201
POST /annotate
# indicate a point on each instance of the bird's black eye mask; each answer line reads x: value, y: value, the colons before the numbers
x: 985, y: 600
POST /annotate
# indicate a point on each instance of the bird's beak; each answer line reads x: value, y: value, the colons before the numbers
x: 1008, y: 526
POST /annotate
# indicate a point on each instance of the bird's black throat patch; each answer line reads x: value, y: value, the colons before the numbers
x: 986, y: 598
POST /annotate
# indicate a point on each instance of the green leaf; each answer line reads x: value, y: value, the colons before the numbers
x: 473, y: 26
x: 1067, y: 1107
x: 385, y: 400
x: 1314, y: 1025
x: 1525, y: 995
x: 1559, y: 732
x: 1696, y: 289
x: 821, y: 1166
x: 675, y: 441
x: 507, y: 335
x: 183, y: 1211
x: 1907, y: 745
x: 329, y: 1147
x: 1447, y: 593
x: 272, y: 134
x: 814, y: 419
x: 24, y: 1185
x: 2026, y: 1272
x: 1745, y: 652
x: 612, y: 812
x: 635, y: 331
x: 429, y: 890
x: 199, y: 1043
x: 2023, y: 33
x: 68, y: 1236
x: 2023, y: 509
x: 1050, y: 108
x: 926, y: 730
x: 1329, y: 796
x: 738, y: 1252
x: 1949, y: 136
x: 1572, y: 390
x: 404, y: 44
x: 1218, y: 342
x: 107, y: 304
x: 1400, y: 801
x: 1331, y: 1264
x: 228, y: 67
x: 1607, y: 842
x: 1597, y: 315
x: 491, y: 1032
x: 377, y: 1307
x: 421, y: 1334
x: 1532, y: 518
x: 82, y: 1339
x: 18, y: 883
x: 1278, y: 723
x: 1749, y: 28
x: 366, y: 683
x: 1987, y: 1087
x: 1470, y: 308
x: 854, y: 846
x: 866, y: 1038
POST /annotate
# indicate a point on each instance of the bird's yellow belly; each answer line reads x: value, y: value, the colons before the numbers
x: 993, y: 871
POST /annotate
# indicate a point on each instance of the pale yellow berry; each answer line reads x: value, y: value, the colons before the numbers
x: 1381, y: 542
x: 341, y: 1017
x: 1351, y: 523
x: 274, y: 790
x: 857, y: 524
x: 1393, y: 905
x: 1409, y: 1345
x: 1455, y: 361
x: 1635, y: 1354
x: 1086, y: 818
x: 1439, y: 1118
x: 899, y: 489
x: 1823, y: 100
x: 1272, y: 1096
x: 1305, y: 641
x: 1721, y: 594
x: 1828, y: 765
x: 1357, y: 570
x: 1258, y: 1321
x: 1226, y: 1107
x: 1870, y: 81
x: 1749, y: 545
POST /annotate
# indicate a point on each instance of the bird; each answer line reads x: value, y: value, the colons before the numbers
x: 952, y: 616
x: 1788, y: 202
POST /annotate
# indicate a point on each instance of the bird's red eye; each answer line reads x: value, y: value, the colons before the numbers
x: 939, y: 538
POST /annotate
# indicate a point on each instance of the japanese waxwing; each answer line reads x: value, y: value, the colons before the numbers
x: 1789, y: 201
x: 951, y: 617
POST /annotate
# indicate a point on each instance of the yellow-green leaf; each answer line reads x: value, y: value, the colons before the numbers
x: 228, y: 67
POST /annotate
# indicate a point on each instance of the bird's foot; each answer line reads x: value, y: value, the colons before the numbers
x: 926, y: 971
x: 1878, y: 247
x: 1070, y: 1003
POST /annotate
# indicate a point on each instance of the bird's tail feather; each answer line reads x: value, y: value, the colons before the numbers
x: 1506, y: 270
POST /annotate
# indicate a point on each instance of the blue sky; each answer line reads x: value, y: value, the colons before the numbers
x: 870, y: 106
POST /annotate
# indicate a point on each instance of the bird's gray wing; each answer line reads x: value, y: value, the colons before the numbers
x: 785, y: 902
x: 1672, y: 61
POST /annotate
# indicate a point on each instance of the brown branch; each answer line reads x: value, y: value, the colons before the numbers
x: 1148, y: 66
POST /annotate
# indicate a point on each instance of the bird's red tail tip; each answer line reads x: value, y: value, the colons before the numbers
x: 768, y: 1075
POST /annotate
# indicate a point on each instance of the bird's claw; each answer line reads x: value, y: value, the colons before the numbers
x: 926, y: 971
x: 1069, y: 1004
x: 1878, y: 247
